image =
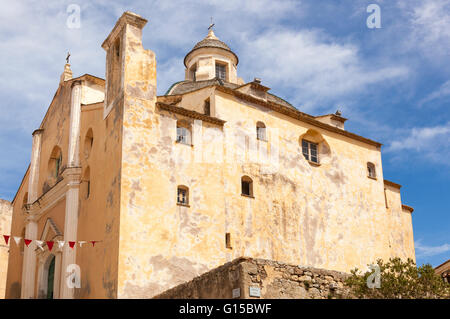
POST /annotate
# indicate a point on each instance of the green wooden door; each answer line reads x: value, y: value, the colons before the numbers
x: 51, y: 277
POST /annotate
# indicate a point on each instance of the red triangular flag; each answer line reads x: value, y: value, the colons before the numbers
x: 27, y: 241
x: 71, y: 244
x: 50, y: 245
x: 6, y: 238
x: 93, y: 242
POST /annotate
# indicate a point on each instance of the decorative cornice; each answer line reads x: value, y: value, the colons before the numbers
x: 407, y: 208
x: 76, y: 82
x: 295, y: 114
x: 254, y: 85
x: 333, y: 117
x: 444, y: 263
x: 189, y: 113
x: 37, y: 131
x: 389, y: 183
x: 47, y: 200
x: 72, y: 176
x: 89, y: 78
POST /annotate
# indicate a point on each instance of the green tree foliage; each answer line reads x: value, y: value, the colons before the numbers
x: 400, y: 280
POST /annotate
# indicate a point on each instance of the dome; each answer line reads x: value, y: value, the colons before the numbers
x: 211, y: 41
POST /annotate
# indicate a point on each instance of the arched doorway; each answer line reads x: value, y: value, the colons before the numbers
x: 51, y: 277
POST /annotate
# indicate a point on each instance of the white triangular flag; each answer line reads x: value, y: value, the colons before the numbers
x: 82, y: 242
x: 60, y: 244
x: 17, y: 240
x: 39, y: 244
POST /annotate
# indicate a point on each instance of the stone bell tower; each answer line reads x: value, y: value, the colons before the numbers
x: 130, y: 69
x: 129, y: 112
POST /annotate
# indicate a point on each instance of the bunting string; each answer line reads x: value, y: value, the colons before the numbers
x: 40, y: 243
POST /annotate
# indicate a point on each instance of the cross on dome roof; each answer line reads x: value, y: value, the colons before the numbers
x: 211, y: 41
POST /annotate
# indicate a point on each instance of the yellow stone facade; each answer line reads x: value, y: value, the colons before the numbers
x: 106, y: 164
x: 5, y: 229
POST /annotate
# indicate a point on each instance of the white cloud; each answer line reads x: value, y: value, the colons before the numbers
x: 428, y: 251
x: 430, y: 21
x: 419, y: 139
x: 430, y: 143
x: 442, y: 92
x: 316, y: 67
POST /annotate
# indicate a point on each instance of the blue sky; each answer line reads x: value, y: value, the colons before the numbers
x: 393, y: 83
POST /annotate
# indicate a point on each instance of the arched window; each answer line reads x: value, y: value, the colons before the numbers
x: 54, y: 165
x: 371, y: 170
x: 25, y: 199
x: 88, y: 142
x: 246, y: 186
x: 192, y: 72
x: 86, y: 183
x: 261, y: 131
x: 184, y: 135
x: 183, y: 195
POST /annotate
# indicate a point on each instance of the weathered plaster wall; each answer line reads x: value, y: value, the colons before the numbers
x: 195, y: 100
x: 99, y: 213
x: 275, y: 280
x: 330, y: 216
x: 5, y: 229
x: 56, y: 133
x: 400, y: 230
x: 136, y: 178
x: 14, y: 279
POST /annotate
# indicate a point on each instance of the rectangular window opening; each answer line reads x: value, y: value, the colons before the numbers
x: 182, y: 196
x: 207, y: 107
x: 246, y: 188
x: 228, y: 240
x: 309, y: 151
x: 221, y: 71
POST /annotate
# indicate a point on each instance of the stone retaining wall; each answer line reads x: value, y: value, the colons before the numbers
x: 269, y: 279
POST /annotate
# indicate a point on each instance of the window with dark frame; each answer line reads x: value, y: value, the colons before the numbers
x: 228, y: 240
x: 207, y: 107
x: 193, y: 71
x: 58, y: 165
x: 309, y: 150
x: 247, y: 186
x: 221, y: 72
x: 183, y: 196
x: 371, y: 170
x: 88, y: 192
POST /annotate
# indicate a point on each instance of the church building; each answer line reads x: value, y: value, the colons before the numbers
x: 129, y: 194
